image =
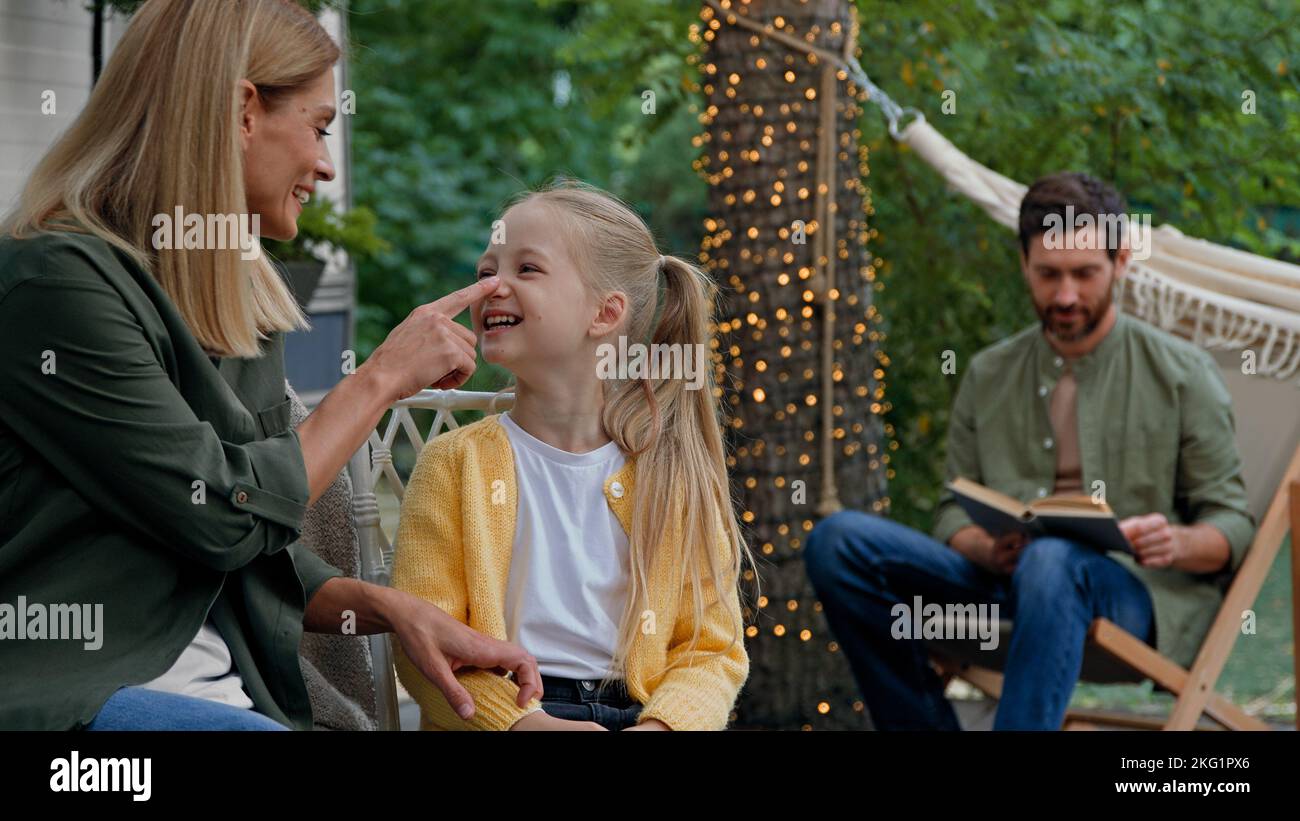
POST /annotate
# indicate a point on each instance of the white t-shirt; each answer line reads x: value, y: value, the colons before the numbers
x: 205, y: 670
x: 569, y: 566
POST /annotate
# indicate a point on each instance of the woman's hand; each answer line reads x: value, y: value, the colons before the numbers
x: 541, y: 720
x: 430, y: 348
x: 438, y: 646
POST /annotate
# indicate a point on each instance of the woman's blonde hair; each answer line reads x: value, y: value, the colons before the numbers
x: 672, y: 430
x: 161, y: 130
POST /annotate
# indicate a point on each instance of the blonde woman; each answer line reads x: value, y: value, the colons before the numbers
x: 151, y: 486
x: 592, y: 523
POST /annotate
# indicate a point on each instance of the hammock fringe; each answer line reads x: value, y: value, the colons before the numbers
x: 1217, y: 297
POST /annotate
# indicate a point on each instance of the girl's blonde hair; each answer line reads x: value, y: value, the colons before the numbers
x: 161, y: 130
x: 674, y: 432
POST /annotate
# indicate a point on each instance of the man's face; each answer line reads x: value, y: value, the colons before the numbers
x: 1071, y: 287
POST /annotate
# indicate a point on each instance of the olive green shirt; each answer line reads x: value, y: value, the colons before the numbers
x: 140, y: 474
x: 1155, y: 428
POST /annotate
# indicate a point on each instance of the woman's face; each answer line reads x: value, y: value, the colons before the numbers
x: 285, y: 153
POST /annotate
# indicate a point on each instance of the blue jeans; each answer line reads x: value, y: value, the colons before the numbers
x: 574, y: 700
x: 862, y: 565
x: 135, y: 708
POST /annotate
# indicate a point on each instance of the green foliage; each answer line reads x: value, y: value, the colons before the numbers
x: 322, y: 228
x: 461, y: 105
x: 1146, y: 94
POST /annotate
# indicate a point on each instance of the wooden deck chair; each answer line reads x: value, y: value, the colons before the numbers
x: 1268, y: 431
x: 373, y: 463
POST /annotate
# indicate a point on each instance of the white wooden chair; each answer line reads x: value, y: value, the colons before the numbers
x: 373, y: 463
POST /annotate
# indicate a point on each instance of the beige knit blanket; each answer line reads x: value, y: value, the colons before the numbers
x: 337, y: 669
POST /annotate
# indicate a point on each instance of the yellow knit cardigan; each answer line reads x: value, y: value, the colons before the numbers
x: 453, y: 549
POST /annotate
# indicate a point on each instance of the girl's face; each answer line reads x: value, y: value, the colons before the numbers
x: 285, y: 153
x: 542, y: 316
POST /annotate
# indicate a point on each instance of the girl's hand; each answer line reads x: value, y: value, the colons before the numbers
x: 649, y: 725
x: 430, y: 348
x: 541, y: 720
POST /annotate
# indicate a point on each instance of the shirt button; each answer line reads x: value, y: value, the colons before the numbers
x: 616, y: 490
x: 588, y: 686
x: 1047, y: 443
x: 241, y: 497
x: 1042, y: 390
x: 1042, y: 491
x: 1058, y: 361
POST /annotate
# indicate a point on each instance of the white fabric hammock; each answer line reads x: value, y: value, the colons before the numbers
x: 1217, y: 297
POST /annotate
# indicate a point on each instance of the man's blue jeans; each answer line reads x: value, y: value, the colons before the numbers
x: 862, y: 565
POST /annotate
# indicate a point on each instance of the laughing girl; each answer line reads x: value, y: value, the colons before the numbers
x: 592, y: 523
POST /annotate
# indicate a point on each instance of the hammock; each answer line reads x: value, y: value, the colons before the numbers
x: 1218, y: 297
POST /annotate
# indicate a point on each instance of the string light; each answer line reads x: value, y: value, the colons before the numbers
x: 755, y: 140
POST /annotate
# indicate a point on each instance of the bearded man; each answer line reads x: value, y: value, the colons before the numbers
x: 1086, y: 401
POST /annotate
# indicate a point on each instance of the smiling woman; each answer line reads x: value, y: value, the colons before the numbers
x: 98, y: 176
x: 147, y: 461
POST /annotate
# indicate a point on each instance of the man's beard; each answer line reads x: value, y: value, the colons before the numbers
x: 1089, y: 317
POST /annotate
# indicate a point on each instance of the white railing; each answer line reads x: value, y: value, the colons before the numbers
x: 373, y: 463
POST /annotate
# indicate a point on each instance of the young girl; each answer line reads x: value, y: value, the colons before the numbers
x: 592, y: 523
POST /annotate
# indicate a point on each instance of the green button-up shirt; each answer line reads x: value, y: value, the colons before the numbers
x: 138, y: 474
x: 1155, y: 427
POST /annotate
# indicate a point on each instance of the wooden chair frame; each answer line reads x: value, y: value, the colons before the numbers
x: 1197, y: 699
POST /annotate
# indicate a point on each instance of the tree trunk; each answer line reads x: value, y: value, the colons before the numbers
x: 760, y: 154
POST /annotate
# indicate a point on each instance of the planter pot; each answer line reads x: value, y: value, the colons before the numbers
x: 302, y: 276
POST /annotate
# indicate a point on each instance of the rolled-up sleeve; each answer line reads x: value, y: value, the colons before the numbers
x: 1209, y: 487
x: 313, y: 571
x: 83, y: 385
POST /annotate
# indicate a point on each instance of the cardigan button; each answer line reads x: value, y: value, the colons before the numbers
x: 616, y: 490
x: 241, y: 497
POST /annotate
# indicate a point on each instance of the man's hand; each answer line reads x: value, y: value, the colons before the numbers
x: 541, y: 720
x: 997, y: 556
x: 1158, y: 543
x: 1198, y: 548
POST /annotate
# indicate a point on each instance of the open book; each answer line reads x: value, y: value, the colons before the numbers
x: 1074, y: 517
